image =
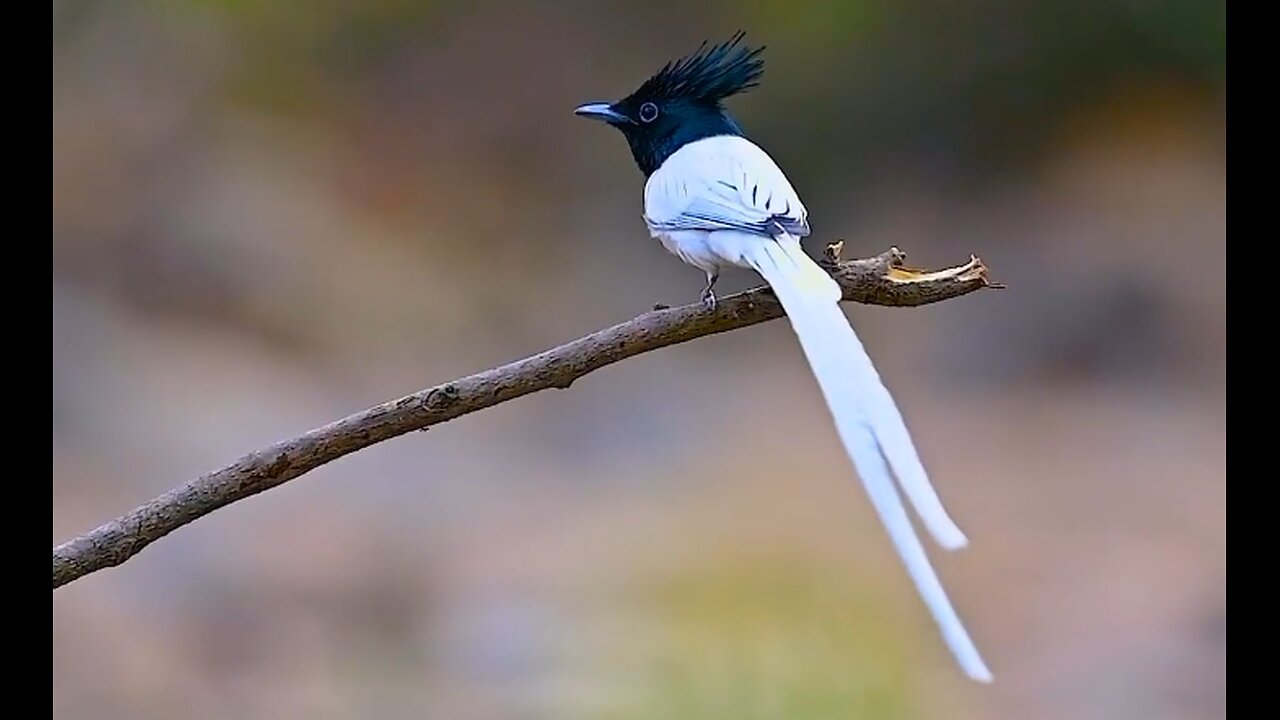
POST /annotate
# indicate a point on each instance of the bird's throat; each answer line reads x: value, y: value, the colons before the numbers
x: 650, y: 150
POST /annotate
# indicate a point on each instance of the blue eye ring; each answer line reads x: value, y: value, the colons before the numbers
x: 648, y: 112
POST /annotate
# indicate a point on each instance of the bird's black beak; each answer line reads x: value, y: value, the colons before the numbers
x: 602, y: 111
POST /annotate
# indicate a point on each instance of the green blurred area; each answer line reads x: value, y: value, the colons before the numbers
x: 762, y: 641
x: 979, y: 85
x: 268, y: 215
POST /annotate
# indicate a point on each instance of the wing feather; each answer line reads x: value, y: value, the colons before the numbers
x: 723, y: 183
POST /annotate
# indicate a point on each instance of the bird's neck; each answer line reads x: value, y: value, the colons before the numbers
x: 651, y: 152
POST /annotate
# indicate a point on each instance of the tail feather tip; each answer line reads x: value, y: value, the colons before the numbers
x: 953, y: 539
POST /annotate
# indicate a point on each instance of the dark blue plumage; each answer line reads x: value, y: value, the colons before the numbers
x: 681, y: 103
x: 709, y: 75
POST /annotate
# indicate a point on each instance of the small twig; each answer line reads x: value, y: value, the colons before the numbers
x: 881, y: 280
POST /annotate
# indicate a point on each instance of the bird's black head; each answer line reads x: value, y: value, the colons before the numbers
x: 681, y: 102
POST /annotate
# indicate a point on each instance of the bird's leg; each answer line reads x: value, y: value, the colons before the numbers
x: 708, y: 296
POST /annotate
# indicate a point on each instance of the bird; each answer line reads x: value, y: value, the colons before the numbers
x: 716, y: 200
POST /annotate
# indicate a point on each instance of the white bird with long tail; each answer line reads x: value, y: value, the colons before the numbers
x: 715, y: 199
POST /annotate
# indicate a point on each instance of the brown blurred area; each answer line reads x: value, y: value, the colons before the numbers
x: 269, y: 215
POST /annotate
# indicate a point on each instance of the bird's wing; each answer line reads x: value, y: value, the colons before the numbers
x: 723, y: 183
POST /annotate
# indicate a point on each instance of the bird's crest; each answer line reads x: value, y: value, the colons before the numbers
x: 709, y: 75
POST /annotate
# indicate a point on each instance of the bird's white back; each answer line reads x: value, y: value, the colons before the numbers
x: 723, y: 183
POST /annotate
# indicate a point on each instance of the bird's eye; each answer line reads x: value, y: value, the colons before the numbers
x: 648, y: 112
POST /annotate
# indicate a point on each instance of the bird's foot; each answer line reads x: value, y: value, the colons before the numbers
x: 709, y: 299
x: 708, y: 295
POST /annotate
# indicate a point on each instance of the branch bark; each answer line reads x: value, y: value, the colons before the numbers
x: 881, y: 280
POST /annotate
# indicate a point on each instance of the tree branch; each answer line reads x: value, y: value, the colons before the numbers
x: 881, y: 280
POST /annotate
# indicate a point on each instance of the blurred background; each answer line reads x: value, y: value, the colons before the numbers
x: 268, y: 215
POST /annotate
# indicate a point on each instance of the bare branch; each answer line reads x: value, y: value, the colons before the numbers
x: 881, y: 280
